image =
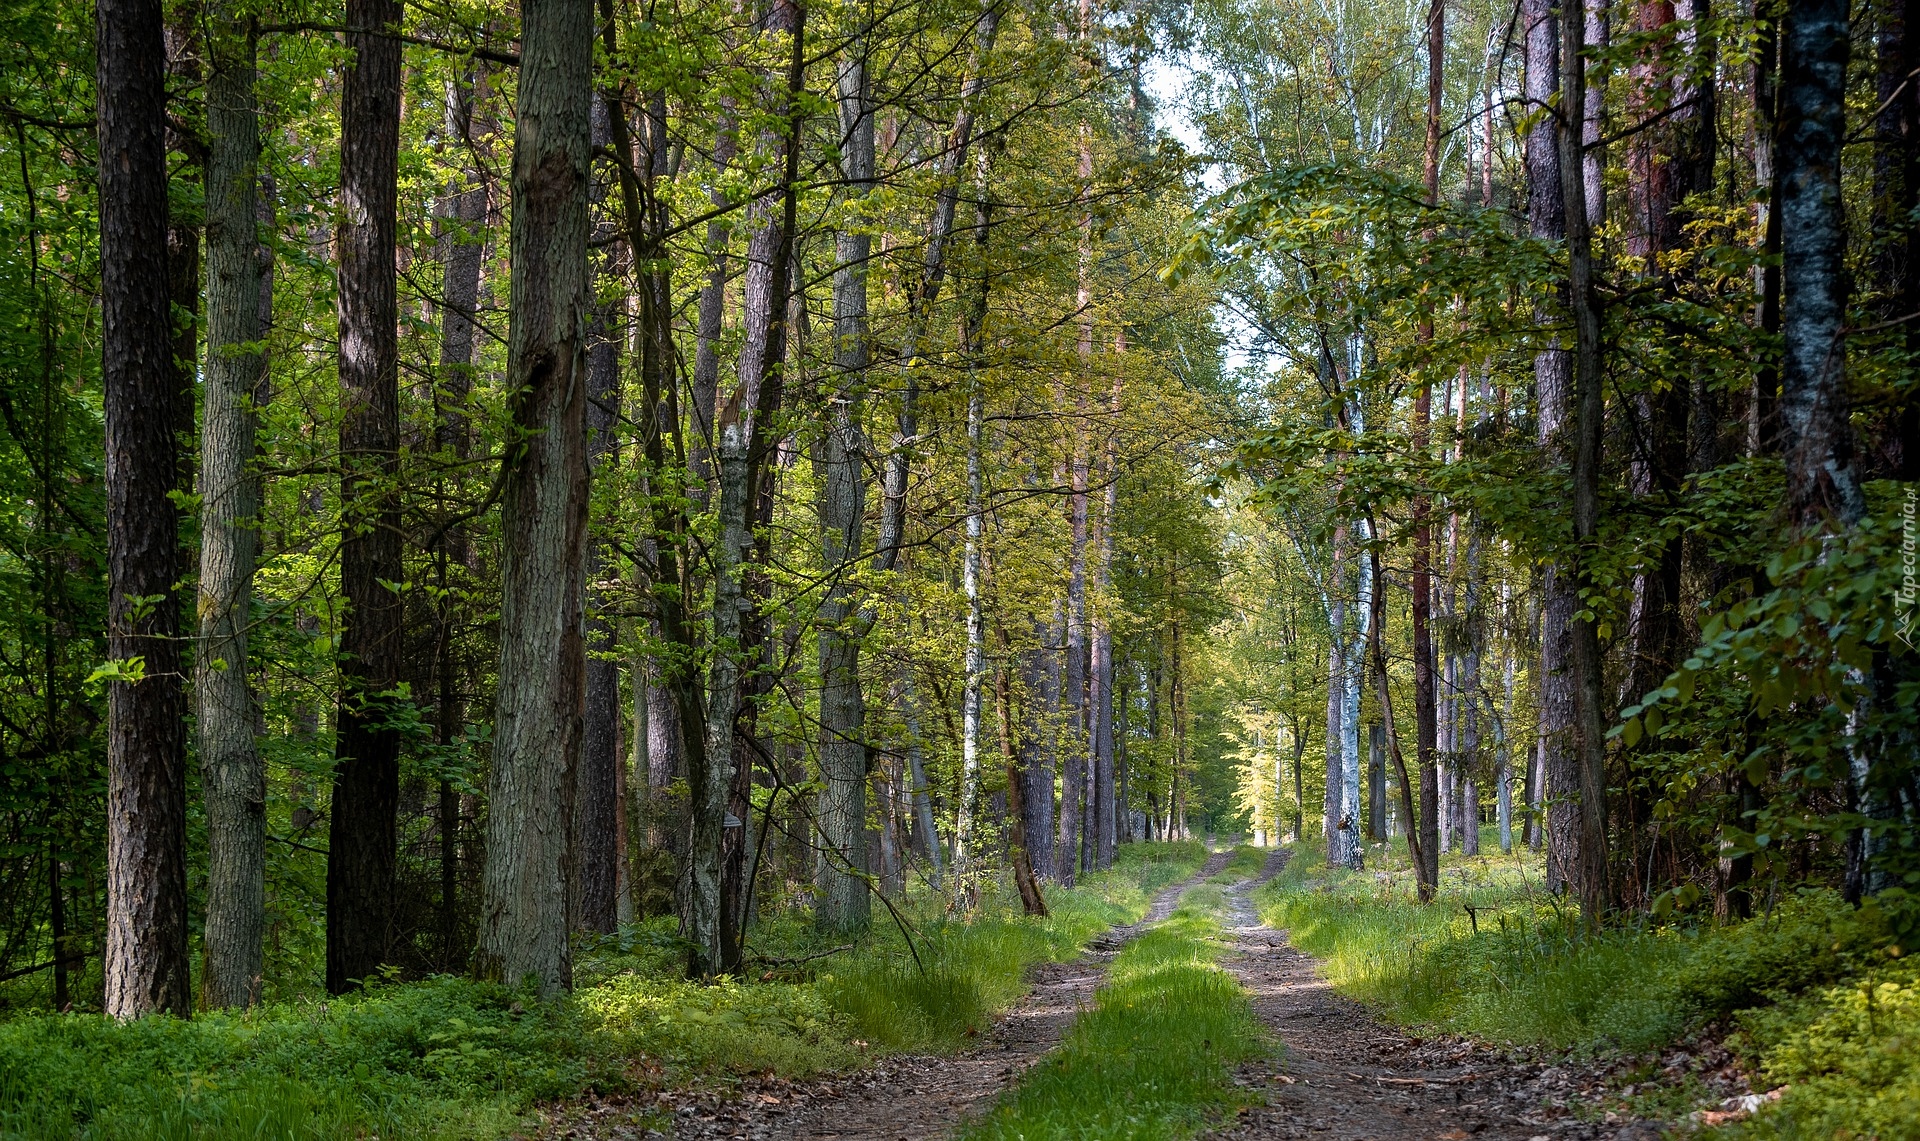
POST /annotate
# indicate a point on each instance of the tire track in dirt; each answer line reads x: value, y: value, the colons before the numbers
x: 1344, y: 1076
x: 900, y: 1098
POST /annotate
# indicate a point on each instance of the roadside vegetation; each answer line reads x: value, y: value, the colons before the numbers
x: 1811, y: 993
x: 1154, y: 1058
x: 447, y: 1058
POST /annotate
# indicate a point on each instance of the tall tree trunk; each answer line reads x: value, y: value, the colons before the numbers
x: 1354, y: 664
x: 921, y: 793
x: 233, y: 781
x: 1071, y: 839
x: 463, y: 213
x: 1503, y: 741
x: 1106, y: 812
x: 528, y: 901
x: 1031, y: 901
x: 1553, y: 384
x: 972, y: 350
x: 146, y: 943
x: 599, y: 807
x: 722, y: 784
x: 366, y: 783
x: 1823, y: 490
x: 1336, y: 604
x: 1423, y: 828
x: 1596, y: 889
x: 839, y: 456
x: 1037, y: 766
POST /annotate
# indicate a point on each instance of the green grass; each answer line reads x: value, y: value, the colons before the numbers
x: 969, y: 970
x: 1245, y: 863
x: 1796, y: 982
x: 1154, y: 1057
x: 445, y: 1059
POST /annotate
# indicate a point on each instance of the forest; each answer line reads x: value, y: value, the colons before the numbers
x: 596, y: 567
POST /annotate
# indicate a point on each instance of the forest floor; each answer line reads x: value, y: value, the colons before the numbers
x: 1342, y: 1075
x: 906, y: 1097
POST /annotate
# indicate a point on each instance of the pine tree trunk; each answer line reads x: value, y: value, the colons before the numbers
x: 529, y: 902
x: 232, y: 779
x: 1593, y: 873
x: 366, y: 789
x: 146, y: 939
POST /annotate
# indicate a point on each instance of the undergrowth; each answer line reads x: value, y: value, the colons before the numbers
x: 958, y: 973
x: 1820, y: 1004
x: 444, y: 1059
x: 1154, y: 1058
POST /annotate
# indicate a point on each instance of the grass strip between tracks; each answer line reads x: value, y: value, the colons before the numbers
x: 1154, y: 1057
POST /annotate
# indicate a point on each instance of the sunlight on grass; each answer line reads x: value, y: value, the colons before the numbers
x: 1154, y: 1057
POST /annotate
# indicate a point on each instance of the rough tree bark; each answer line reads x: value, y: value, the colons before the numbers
x: 1818, y: 442
x: 841, y: 450
x: 1594, y: 876
x: 146, y: 943
x: 1423, y: 828
x: 1553, y: 384
x: 232, y: 779
x: 600, y: 810
x: 463, y: 212
x: 528, y: 888
x: 720, y: 781
x: 366, y: 784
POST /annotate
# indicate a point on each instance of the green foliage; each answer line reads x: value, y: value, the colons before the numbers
x: 1822, y: 662
x: 1847, y: 1056
x: 1154, y: 1057
x: 439, y: 1058
x: 728, y: 1026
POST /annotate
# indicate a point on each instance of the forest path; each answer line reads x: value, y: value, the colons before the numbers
x: 903, y: 1098
x: 1344, y: 1076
